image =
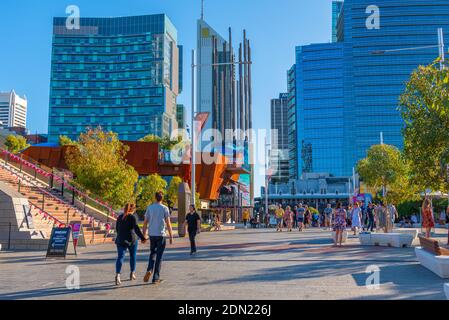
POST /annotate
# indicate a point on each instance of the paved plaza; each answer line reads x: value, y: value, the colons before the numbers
x: 240, y: 264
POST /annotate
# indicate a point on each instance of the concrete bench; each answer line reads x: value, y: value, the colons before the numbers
x: 397, y: 240
x: 446, y: 290
x: 411, y: 231
x: 433, y: 257
x: 344, y: 237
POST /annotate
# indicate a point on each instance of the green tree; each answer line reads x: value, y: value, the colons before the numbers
x: 99, y: 166
x: 425, y: 109
x: 66, y: 141
x: 385, y: 168
x: 172, y: 191
x: 165, y: 143
x: 197, y: 201
x: 147, y: 188
x: 15, y: 143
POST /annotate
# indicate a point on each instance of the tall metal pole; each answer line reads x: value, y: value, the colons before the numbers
x: 266, y: 176
x: 441, y: 47
x: 192, y: 128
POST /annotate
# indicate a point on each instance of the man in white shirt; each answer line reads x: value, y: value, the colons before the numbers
x: 157, y: 219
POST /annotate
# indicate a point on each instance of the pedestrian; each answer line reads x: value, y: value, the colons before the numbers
x: 427, y: 217
x: 370, y: 216
x: 328, y: 216
x: 339, y: 223
x: 288, y: 218
x: 307, y: 217
x: 157, y: 218
x: 295, y: 217
x: 192, y: 226
x: 356, y: 218
x: 127, y: 233
x: 245, y: 218
x: 279, y: 216
x: 301, y: 214
x: 443, y: 218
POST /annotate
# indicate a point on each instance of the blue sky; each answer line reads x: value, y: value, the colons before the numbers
x: 275, y: 27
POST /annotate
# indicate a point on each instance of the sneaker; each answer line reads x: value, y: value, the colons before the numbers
x: 157, y: 281
x: 147, y: 276
x: 132, y: 276
x: 117, y: 279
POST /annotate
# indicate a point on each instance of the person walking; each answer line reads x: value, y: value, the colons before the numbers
x: 427, y: 217
x: 339, y: 223
x: 300, y: 217
x: 288, y: 218
x: 328, y: 216
x: 245, y: 218
x: 157, y: 219
x: 127, y: 233
x: 279, y: 215
x: 307, y: 217
x: 370, y: 216
x: 192, y: 227
x: 356, y: 218
x: 295, y: 217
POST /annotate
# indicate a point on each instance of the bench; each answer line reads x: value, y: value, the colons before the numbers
x: 433, y: 257
x: 397, y: 240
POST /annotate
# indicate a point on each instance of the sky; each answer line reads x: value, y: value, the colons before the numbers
x: 274, y: 27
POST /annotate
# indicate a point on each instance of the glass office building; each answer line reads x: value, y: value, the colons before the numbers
x: 374, y: 82
x: 336, y: 10
x: 291, y: 123
x: 279, y: 151
x: 122, y: 74
x: 319, y: 101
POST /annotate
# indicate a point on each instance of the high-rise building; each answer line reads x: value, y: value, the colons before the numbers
x: 319, y: 91
x: 291, y: 123
x: 122, y: 74
x: 346, y: 95
x: 13, y: 110
x: 279, y: 156
x: 181, y: 116
x: 336, y: 10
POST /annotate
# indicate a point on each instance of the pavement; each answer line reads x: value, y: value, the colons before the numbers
x: 238, y: 264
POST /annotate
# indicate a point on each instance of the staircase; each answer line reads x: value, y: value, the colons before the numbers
x: 47, y: 207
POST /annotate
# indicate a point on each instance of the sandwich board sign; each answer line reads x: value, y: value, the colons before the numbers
x: 59, y: 243
x: 78, y: 234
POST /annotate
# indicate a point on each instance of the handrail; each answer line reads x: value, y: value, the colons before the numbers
x: 38, y: 169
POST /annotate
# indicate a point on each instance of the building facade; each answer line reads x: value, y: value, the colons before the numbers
x: 319, y: 93
x: 181, y: 116
x: 13, y: 110
x: 279, y: 152
x: 291, y: 123
x: 122, y: 74
x: 337, y: 7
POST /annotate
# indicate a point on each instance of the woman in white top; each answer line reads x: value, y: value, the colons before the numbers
x: 356, y: 216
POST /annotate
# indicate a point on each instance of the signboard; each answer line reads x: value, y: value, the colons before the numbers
x: 59, y: 242
x: 78, y: 234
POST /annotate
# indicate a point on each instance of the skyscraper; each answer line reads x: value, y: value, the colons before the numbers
x: 181, y: 116
x: 345, y: 94
x: 279, y: 152
x: 336, y: 10
x: 13, y: 110
x: 292, y: 124
x: 122, y: 74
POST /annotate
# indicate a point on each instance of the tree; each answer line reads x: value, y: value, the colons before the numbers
x: 147, y: 188
x: 99, y: 166
x: 15, y: 143
x: 425, y: 109
x: 384, y: 168
x: 172, y: 191
x: 66, y: 141
x: 165, y: 143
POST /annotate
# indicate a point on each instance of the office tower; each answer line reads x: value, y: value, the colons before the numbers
x: 122, y: 74
x: 291, y: 124
x: 181, y: 116
x: 319, y: 92
x: 279, y: 152
x: 13, y: 110
x: 374, y: 82
x: 336, y: 10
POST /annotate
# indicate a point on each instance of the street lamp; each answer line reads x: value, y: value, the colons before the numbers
x: 440, y: 46
x: 193, y: 127
x: 267, y: 176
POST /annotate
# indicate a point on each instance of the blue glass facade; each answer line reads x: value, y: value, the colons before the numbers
x: 373, y: 83
x: 336, y: 10
x: 122, y: 74
x: 346, y: 95
x: 319, y: 98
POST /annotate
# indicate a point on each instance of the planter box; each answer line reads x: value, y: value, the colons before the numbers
x: 397, y: 240
x: 411, y: 231
x: 437, y: 264
x: 343, y: 239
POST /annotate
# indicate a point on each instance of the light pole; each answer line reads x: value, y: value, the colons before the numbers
x: 267, y: 178
x: 440, y: 47
x: 193, y: 127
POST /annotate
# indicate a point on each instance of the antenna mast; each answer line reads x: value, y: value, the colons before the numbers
x: 202, y: 9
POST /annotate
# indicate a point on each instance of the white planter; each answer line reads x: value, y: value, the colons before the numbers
x: 437, y: 264
x: 398, y: 240
x: 446, y: 290
x: 344, y: 237
x: 411, y: 231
